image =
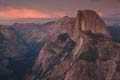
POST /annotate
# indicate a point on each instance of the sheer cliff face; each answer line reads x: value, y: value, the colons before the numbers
x: 88, y: 20
x: 81, y: 51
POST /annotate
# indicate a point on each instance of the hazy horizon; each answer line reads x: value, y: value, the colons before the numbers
x: 108, y: 20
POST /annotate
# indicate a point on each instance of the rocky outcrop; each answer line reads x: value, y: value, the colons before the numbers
x: 21, y: 43
x: 14, y: 58
x: 81, y: 51
x: 88, y: 21
x: 67, y: 49
x: 35, y: 34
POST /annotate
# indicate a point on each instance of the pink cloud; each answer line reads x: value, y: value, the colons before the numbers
x: 12, y: 13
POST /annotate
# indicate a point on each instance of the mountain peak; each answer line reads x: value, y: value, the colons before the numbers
x: 81, y: 45
x: 88, y: 21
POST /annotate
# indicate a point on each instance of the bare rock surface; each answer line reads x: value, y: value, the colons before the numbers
x: 81, y: 51
x: 78, y: 48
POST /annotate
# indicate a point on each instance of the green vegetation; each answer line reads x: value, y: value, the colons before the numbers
x: 91, y: 55
x: 1, y: 38
x: 118, y: 66
x: 70, y: 45
x: 97, y: 38
x: 106, y: 55
x: 63, y: 37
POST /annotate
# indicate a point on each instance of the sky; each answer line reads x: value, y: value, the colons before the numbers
x: 11, y: 9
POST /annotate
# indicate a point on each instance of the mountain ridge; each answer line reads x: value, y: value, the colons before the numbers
x: 78, y: 48
x: 82, y: 52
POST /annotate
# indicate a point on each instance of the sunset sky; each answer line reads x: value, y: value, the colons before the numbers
x: 11, y: 9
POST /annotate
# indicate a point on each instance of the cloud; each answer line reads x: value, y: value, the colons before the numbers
x: 59, y: 7
x: 12, y: 13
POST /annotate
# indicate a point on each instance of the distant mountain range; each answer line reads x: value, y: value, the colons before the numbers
x: 112, y: 21
x: 26, y: 20
x: 108, y: 20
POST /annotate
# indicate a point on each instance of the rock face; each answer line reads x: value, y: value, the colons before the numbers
x: 14, y: 59
x: 81, y: 51
x: 67, y: 49
x: 21, y: 43
x: 36, y: 34
x: 88, y: 20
